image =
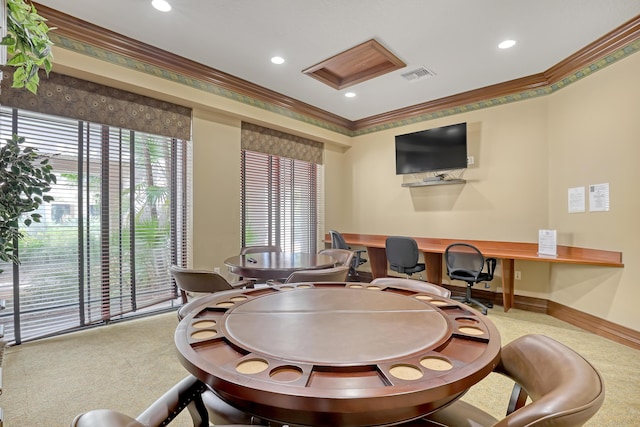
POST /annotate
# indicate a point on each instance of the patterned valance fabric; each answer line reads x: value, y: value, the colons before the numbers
x: 79, y: 99
x: 269, y: 141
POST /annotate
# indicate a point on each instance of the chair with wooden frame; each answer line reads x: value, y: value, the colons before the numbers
x: 334, y: 275
x: 554, y: 386
x: 342, y: 256
x: 191, y: 281
x: 418, y: 285
x: 257, y: 249
x: 189, y: 394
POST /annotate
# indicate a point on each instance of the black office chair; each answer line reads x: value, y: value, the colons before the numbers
x: 465, y: 262
x: 338, y: 242
x: 403, y: 255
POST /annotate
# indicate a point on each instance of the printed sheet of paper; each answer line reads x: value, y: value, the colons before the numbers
x: 547, y: 243
x: 599, y: 197
x: 576, y: 200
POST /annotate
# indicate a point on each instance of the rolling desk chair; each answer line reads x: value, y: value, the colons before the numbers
x: 338, y: 242
x: 465, y: 262
x: 403, y: 255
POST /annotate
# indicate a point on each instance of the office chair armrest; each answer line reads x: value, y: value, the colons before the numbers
x: 357, y: 257
x: 491, y: 266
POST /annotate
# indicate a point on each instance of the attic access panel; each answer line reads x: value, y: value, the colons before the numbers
x: 358, y: 64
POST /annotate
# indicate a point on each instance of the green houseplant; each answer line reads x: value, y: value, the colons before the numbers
x: 25, y: 178
x: 25, y: 175
x: 28, y: 44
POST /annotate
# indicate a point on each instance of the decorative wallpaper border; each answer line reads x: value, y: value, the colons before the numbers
x: 121, y: 60
x: 521, y: 96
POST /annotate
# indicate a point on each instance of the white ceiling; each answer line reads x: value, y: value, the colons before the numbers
x: 456, y: 39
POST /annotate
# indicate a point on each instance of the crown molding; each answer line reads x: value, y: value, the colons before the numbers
x: 66, y: 26
x: 610, y: 48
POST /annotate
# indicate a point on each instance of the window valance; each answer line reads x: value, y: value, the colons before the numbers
x: 79, y: 99
x: 269, y: 141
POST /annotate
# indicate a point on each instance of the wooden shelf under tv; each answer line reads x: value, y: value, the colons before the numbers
x: 429, y: 183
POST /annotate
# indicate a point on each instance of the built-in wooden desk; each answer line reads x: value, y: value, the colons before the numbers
x: 506, y: 252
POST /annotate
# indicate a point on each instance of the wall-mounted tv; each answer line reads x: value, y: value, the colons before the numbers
x: 432, y: 150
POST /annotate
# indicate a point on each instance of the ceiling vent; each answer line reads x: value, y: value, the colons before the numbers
x: 418, y: 74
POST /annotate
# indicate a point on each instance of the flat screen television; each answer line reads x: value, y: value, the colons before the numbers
x: 432, y: 150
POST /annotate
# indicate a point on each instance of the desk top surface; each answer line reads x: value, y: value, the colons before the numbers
x: 500, y: 249
x: 330, y: 354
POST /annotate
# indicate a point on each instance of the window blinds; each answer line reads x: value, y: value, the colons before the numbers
x: 103, y: 248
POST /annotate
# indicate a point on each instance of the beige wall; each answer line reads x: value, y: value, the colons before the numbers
x: 526, y: 156
x: 505, y: 197
x: 594, y: 138
x: 216, y: 189
x: 338, y: 189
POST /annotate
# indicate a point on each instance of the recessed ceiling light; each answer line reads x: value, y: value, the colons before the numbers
x: 507, y: 44
x: 161, y: 5
x: 350, y: 95
x: 277, y: 60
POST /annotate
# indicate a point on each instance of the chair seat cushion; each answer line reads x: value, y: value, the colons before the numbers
x: 408, y: 270
x: 462, y: 414
x: 221, y: 413
x: 104, y: 418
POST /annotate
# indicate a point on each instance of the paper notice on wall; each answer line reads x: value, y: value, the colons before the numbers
x: 547, y: 243
x: 599, y: 197
x: 576, y: 200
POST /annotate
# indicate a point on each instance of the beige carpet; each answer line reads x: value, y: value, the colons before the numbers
x: 125, y: 366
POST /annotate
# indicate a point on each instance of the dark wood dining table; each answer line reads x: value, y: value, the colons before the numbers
x: 339, y: 354
x: 276, y: 265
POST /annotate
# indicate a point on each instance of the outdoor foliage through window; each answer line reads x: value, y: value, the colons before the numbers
x: 104, y: 245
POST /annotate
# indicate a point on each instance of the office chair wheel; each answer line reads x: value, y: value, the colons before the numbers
x: 489, y: 305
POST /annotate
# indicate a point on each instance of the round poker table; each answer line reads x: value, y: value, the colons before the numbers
x: 337, y: 354
x: 276, y: 265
